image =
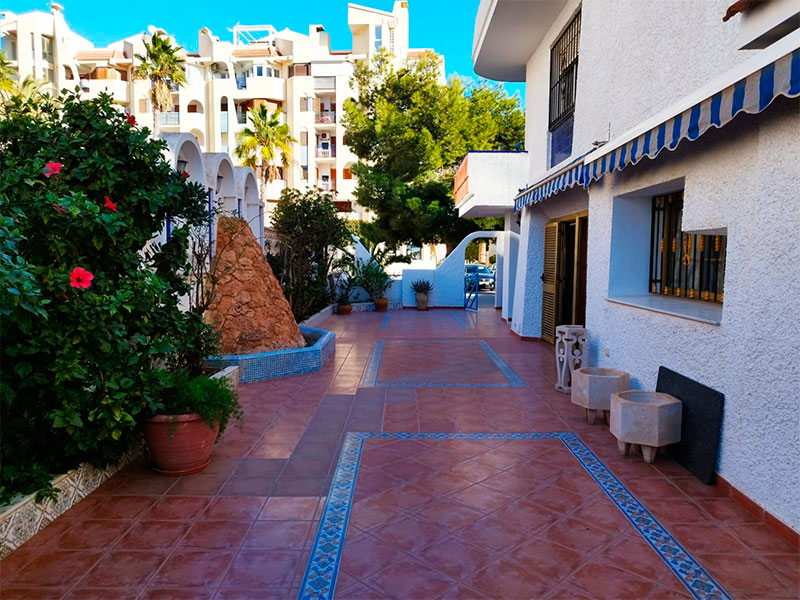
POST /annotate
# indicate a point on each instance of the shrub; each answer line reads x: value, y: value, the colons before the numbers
x: 215, y: 400
x: 371, y: 276
x: 311, y: 231
x: 422, y: 286
x: 89, y: 303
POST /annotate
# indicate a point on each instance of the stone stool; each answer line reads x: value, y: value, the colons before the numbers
x: 570, y: 352
x: 592, y: 388
x: 648, y: 419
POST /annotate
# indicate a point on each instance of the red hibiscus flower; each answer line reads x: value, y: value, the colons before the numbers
x: 112, y: 206
x: 58, y: 208
x: 52, y: 168
x: 185, y: 175
x: 80, y: 278
x: 131, y: 119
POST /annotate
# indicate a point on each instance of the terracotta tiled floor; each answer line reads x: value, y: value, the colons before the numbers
x: 430, y: 518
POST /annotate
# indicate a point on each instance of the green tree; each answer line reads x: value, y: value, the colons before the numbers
x: 165, y: 68
x: 311, y: 231
x: 411, y: 133
x: 263, y: 144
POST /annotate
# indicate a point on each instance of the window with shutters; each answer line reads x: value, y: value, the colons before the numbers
x: 563, y: 85
x: 300, y: 70
x: 346, y: 173
x: 684, y: 265
x: 303, y: 104
x: 144, y: 105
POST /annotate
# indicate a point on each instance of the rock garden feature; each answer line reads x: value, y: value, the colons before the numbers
x: 249, y: 308
x: 592, y: 388
x: 651, y: 420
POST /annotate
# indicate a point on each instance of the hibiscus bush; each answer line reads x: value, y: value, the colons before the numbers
x: 89, y: 303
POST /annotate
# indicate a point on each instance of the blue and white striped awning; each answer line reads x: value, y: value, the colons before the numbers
x: 566, y: 177
x: 743, y: 90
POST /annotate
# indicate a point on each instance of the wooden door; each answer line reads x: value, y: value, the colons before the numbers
x: 549, y: 282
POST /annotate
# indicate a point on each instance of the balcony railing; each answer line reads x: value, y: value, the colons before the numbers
x: 326, y: 116
x: 324, y: 83
x: 326, y: 186
x: 170, y: 118
x: 241, y: 117
x: 326, y: 152
x: 241, y: 82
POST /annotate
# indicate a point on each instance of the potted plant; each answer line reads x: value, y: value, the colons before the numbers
x: 422, y: 290
x: 372, y: 277
x: 187, y: 418
x: 343, y: 306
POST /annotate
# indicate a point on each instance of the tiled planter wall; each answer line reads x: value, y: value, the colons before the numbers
x: 281, y: 363
x: 24, y: 518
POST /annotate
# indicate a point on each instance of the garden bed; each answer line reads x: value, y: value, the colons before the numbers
x: 282, y: 363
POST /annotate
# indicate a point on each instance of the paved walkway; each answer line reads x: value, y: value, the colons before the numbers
x: 463, y: 474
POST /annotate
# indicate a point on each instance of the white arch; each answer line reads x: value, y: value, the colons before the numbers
x: 199, y: 105
x: 219, y: 165
x: 252, y: 206
x: 183, y: 147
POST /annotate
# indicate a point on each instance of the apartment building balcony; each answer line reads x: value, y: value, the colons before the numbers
x: 325, y: 117
x: 326, y: 186
x: 326, y: 153
x: 116, y: 88
x: 171, y: 118
x: 272, y: 88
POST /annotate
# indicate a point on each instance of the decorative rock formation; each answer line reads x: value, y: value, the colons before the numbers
x: 249, y: 308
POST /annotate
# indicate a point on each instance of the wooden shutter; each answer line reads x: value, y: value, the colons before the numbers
x: 346, y: 174
x: 316, y: 105
x: 142, y: 105
x: 303, y: 103
x: 549, y: 282
x: 304, y: 138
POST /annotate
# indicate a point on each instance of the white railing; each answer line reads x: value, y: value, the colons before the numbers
x: 326, y: 116
x: 324, y: 153
x: 325, y: 186
x: 170, y: 118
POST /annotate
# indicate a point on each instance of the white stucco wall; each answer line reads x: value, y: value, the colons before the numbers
x: 743, y: 178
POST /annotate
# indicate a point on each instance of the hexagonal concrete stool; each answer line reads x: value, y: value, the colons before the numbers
x: 648, y: 419
x: 592, y: 388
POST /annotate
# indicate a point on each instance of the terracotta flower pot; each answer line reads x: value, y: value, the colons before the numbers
x: 381, y: 304
x: 180, y: 444
x: 422, y: 300
x: 344, y: 309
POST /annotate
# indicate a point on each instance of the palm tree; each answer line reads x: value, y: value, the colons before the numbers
x: 162, y: 65
x: 263, y: 144
x: 7, y: 83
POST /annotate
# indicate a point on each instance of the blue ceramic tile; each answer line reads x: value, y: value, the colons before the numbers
x: 319, y: 580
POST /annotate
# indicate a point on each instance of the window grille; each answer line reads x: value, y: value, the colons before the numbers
x: 684, y: 265
x: 564, y: 73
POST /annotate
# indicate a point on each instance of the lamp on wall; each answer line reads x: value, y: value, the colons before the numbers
x: 182, y: 166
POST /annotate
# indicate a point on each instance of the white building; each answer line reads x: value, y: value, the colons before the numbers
x: 295, y: 72
x: 654, y: 210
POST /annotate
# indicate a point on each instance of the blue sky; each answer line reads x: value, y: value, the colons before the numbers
x: 445, y: 25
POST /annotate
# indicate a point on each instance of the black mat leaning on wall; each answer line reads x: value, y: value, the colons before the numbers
x: 701, y: 423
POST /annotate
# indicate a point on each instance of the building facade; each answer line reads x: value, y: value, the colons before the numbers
x: 296, y: 73
x: 659, y: 203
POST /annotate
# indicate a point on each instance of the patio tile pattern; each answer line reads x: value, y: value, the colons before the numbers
x: 490, y: 518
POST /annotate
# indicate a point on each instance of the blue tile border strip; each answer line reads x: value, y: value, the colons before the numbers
x: 385, y: 321
x: 322, y: 570
x: 373, y: 367
x: 282, y: 363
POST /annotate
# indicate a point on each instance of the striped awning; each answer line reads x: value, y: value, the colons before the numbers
x: 752, y: 93
x: 566, y: 177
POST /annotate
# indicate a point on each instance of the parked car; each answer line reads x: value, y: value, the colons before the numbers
x: 485, y: 276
